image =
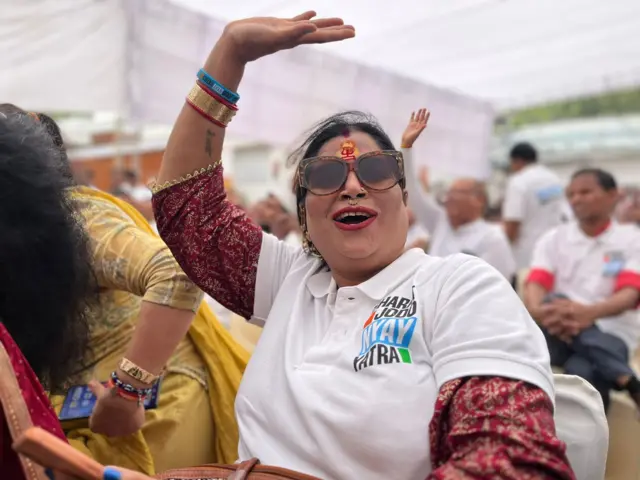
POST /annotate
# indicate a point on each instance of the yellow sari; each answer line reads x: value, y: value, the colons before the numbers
x: 209, y: 352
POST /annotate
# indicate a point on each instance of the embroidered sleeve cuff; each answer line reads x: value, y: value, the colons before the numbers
x: 541, y: 277
x: 158, y: 187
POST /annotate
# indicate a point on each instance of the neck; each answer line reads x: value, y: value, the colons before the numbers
x: 595, y: 227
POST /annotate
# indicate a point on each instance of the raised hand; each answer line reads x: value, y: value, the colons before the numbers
x: 417, y: 124
x: 253, y: 38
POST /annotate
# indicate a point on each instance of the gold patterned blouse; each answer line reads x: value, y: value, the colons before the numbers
x: 130, y: 265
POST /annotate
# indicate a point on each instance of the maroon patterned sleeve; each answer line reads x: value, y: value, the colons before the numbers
x: 214, y: 242
x: 495, y: 428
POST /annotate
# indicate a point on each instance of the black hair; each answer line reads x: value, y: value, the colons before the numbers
x: 525, y: 152
x: 605, y: 180
x: 52, y: 129
x: 47, y: 285
x: 334, y: 126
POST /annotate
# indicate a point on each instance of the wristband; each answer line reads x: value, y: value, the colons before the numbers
x: 217, y: 87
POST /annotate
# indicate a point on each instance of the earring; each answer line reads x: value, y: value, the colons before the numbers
x: 307, y: 245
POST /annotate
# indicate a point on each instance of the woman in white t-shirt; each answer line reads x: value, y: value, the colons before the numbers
x: 374, y: 362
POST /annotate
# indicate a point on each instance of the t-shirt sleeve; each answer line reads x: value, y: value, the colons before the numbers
x: 514, y: 202
x: 629, y: 276
x: 481, y: 328
x: 275, y: 261
x: 543, y: 264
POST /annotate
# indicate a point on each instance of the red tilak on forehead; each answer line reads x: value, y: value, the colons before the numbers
x: 346, y: 133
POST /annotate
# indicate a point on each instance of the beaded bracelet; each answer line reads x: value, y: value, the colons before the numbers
x: 217, y: 87
x: 128, y: 391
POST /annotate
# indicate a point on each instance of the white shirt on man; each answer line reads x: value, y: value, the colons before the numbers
x: 589, y: 270
x: 534, y: 197
x: 343, y: 382
x: 478, y: 238
x: 416, y: 233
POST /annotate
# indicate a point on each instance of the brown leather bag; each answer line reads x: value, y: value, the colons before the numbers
x: 247, y: 470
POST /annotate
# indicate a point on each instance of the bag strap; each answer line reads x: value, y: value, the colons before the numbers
x: 16, y: 412
x: 243, y: 470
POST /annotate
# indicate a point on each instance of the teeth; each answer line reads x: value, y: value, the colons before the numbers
x: 352, y: 214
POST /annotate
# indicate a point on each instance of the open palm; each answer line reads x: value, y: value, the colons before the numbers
x: 253, y: 38
x: 417, y: 124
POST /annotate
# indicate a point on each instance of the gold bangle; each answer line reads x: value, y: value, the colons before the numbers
x: 210, y: 106
x: 158, y: 187
x: 139, y: 373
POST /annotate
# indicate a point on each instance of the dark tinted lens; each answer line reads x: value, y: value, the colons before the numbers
x: 379, y: 172
x: 324, y: 176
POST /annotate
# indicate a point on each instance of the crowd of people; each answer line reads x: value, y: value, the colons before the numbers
x: 395, y: 341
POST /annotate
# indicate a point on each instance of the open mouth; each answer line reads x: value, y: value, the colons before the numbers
x: 353, y: 218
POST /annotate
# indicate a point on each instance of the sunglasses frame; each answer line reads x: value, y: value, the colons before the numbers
x: 352, y: 166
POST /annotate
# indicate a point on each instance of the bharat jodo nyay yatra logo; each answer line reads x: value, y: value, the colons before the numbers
x: 387, y: 333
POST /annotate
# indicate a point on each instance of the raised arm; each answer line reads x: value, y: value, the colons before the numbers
x: 214, y: 242
x: 424, y: 207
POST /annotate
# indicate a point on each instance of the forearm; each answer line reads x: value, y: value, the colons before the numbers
x: 425, y: 209
x: 157, y: 334
x: 534, y: 295
x: 621, y: 301
x: 195, y: 142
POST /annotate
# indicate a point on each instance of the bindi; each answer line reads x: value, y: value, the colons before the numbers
x: 348, y: 150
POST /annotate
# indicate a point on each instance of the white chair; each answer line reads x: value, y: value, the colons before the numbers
x: 582, y: 424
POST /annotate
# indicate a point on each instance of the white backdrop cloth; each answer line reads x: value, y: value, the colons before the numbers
x: 63, y: 54
x: 140, y: 57
x: 283, y: 95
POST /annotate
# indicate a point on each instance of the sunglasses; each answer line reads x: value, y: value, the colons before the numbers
x: 378, y: 170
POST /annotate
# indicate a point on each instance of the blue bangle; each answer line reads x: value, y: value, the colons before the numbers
x: 217, y: 87
x: 111, y: 473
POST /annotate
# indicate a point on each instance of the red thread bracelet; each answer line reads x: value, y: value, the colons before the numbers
x: 121, y: 393
x: 203, y: 114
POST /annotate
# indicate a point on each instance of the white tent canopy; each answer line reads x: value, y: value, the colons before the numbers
x: 510, y: 53
x: 139, y: 57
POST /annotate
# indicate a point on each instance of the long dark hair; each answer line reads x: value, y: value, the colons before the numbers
x: 47, y: 285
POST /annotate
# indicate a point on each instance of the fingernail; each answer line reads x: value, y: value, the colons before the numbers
x: 49, y: 473
x: 111, y: 473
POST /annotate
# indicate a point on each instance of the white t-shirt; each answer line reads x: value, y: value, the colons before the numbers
x: 343, y: 382
x: 478, y: 238
x: 535, y: 198
x: 588, y: 270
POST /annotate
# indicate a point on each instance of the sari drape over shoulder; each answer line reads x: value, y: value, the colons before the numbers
x: 24, y: 404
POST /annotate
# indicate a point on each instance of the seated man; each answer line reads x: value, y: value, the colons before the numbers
x: 584, y: 286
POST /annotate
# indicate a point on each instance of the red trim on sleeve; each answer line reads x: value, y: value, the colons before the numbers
x: 542, y: 277
x: 626, y: 279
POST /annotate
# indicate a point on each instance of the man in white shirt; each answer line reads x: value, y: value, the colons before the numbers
x: 459, y: 226
x: 417, y: 236
x: 584, y: 287
x: 533, y: 202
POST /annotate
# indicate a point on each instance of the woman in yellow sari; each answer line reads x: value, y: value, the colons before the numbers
x: 146, y: 315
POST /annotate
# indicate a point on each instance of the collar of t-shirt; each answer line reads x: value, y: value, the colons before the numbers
x: 322, y: 283
x: 576, y: 234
